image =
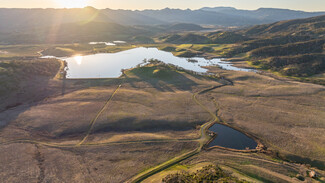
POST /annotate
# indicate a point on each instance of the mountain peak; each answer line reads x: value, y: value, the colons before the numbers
x: 90, y: 8
x: 275, y: 9
x: 219, y: 8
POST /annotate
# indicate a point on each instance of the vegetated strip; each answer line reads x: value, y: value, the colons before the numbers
x: 204, y: 138
x: 164, y: 166
x: 92, y: 123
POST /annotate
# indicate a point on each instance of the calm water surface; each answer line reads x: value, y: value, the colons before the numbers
x: 106, y: 43
x: 109, y: 65
x: 231, y: 138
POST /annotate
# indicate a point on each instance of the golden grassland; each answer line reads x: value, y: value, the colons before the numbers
x: 287, y: 115
x: 141, y: 126
x: 64, y: 119
x: 115, y: 163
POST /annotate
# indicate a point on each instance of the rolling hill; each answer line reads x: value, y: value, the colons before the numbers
x: 293, y: 48
x: 290, y: 47
x: 18, y: 19
x: 76, y: 32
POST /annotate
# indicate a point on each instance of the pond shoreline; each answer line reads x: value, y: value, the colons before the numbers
x: 109, y: 65
x: 259, y: 148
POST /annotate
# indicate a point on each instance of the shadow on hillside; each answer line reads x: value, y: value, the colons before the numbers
x: 32, y: 91
x: 133, y: 124
x: 164, y: 80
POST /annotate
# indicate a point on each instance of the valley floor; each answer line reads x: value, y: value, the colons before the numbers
x: 78, y: 131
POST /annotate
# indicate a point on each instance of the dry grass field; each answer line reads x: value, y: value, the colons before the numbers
x: 249, y: 167
x: 114, y: 163
x: 246, y: 167
x: 288, y: 116
x: 47, y: 132
x: 151, y: 119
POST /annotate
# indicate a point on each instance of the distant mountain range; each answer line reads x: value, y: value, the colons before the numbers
x: 16, y: 19
x: 89, y: 24
x: 265, y: 15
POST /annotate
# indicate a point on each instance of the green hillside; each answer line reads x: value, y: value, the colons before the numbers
x: 292, y: 48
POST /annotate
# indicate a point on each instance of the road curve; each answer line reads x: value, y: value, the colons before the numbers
x: 204, y: 138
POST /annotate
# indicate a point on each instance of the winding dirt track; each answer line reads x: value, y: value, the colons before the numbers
x: 204, y: 138
x: 201, y: 139
x: 92, y: 123
x: 91, y: 126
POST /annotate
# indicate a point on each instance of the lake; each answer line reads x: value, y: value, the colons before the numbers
x: 231, y: 138
x: 105, y: 43
x: 108, y: 43
x: 109, y: 65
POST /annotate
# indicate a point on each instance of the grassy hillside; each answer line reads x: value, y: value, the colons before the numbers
x: 291, y: 48
x: 314, y: 27
x: 210, y: 173
x: 25, y: 19
x: 15, y: 71
x: 78, y: 32
x: 204, y: 38
x: 183, y: 27
x: 313, y: 46
x: 153, y: 114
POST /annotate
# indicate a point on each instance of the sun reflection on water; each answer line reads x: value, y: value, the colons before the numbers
x: 78, y: 59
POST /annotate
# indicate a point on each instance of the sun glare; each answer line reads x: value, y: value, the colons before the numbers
x: 78, y: 59
x: 73, y: 3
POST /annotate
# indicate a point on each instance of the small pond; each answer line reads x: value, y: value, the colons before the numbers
x: 231, y: 138
x: 109, y: 65
x: 105, y: 43
x: 108, y: 43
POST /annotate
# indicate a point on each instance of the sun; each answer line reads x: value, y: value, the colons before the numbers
x: 73, y: 3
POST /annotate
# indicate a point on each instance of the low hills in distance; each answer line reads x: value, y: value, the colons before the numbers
x: 16, y: 19
x: 34, y: 26
x: 266, y: 15
x: 290, y: 47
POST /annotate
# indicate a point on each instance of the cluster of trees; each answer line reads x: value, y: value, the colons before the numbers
x: 13, y: 72
x: 30, y: 68
x: 274, y: 41
x: 226, y: 37
x: 211, y: 173
x: 298, y: 65
x: 207, y: 38
x: 313, y: 46
x: 300, y: 59
x: 292, y: 48
x: 309, y: 26
x: 186, y: 39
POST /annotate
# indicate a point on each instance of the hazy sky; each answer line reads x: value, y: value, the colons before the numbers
x: 307, y: 5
